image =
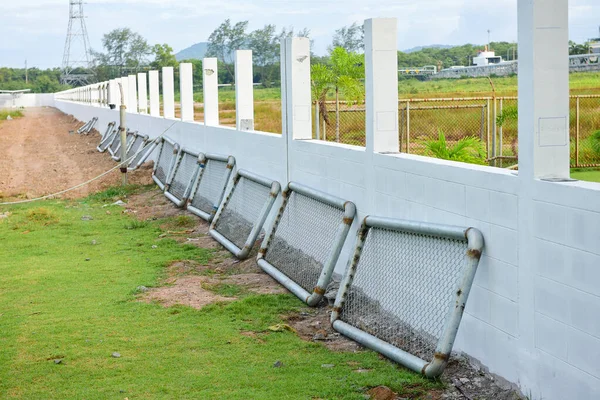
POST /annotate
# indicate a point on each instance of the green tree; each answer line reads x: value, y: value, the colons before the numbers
x: 163, y: 56
x: 344, y: 74
x: 225, y: 40
x: 351, y: 38
x: 123, y: 48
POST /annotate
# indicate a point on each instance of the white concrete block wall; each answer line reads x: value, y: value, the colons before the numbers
x: 532, y: 316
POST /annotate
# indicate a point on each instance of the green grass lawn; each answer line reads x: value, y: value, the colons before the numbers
x: 590, y: 175
x: 68, y: 291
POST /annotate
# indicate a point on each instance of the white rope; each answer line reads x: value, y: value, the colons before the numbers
x: 88, y: 181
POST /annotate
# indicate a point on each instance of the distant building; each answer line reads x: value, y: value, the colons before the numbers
x: 487, y: 57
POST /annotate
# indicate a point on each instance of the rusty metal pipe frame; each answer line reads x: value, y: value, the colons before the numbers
x: 244, y: 252
x: 109, y: 130
x: 147, y: 149
x: 204, y: 159
x: 435, y: 367
x: 108, y: 140
x: 176, y: 148
x: 180, y: 202
x: 312, y: 299
x: 119, y: 154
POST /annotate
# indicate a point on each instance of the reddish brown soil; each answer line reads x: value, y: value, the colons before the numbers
x: 40, y: 157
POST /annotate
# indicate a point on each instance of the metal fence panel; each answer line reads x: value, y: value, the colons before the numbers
x: 241, y: 216
x: 167, y: 155
x: 116, y: 153
x: 137, y: 145
x: 209, y: 188
x: 88, y: 126
x: 142, y: 155
x: 109, y: 130
x: 405, y: 289
x: 107, y: 141
x: 305, y: 241
x: 183, y: 177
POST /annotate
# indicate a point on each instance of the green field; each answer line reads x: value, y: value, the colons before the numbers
x: 590, y: 175
x: 68, y: 280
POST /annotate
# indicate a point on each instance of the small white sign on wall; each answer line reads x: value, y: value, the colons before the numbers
x: 553, y: 131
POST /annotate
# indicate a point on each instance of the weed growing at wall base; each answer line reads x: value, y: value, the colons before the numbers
x: 68, y: 302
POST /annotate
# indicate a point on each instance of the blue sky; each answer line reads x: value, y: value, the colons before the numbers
x: 35, y: 29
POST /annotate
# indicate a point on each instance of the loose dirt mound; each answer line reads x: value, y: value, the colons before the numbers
x: 41, y: 157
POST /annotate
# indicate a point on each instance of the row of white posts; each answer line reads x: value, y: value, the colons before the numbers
x: 141, y: 93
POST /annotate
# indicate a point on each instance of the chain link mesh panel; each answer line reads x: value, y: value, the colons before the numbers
x: 164, y: 163
x: 405, y: 289
x: 142, y: 156
x: 109, y: 130
x: 107, y: 141
x: 183, y: 176
x: 138, y: 143
x: 129, y: 138
x: 302, y: 242
x: 242, y: 210
x: 210, y: 187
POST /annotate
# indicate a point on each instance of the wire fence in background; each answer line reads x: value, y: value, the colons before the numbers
x: 494, y: 121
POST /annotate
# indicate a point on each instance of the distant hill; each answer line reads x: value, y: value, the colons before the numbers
x: 194, y: 52
x: 433, y: 46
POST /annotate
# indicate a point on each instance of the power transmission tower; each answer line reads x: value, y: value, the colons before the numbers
x: 77, y: 65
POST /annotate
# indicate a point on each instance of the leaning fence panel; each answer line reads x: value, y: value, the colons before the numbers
x: 183, y: 177
x: 116, y: 153
x: 107, y: 140
x: 88, y: 126
x: 305, y: 241
x: 109, y: 130
x: 405, y: 290
x: 209, y: 187
x: 167, y: 155
x: 137, y: 145
x: 142, y: 155
x: 242, y: 214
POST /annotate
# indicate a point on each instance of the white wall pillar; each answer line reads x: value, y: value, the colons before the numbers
x: 154, y: 93
x: 210, y: 84
x: 142, y: 93
x: 543, y: 88
x: 125, y: 94
x: 186, y: 90
x: 168, y: 92
x: 298, y: 89
x: 244, y: 91
x: 381, y: 84
x: 133, y: 103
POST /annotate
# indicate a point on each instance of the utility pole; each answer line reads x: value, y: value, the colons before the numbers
x: 26, y: 73
x: 489, y: 39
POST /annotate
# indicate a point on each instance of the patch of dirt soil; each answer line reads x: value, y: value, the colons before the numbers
x: 186, y: 291
x: 41, y: 157
x: 314, y: 325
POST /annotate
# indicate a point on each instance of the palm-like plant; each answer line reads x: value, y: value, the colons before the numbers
x: 469, y: 149
x: 344, y: 75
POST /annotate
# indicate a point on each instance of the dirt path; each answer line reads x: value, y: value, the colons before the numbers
x: 39, y: 156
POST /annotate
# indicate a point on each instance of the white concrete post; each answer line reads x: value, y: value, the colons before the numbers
x: 154, y: 93
x: 133, y: 104
x: 381, y: 84
x: 298, y: 93
x: 125, y: 85
x: 142, y: 93
x: 168, y: 92
x: 244, y: 91
x: 186, y: 90
x: 210, y: 84
x: 543, y: 89
x: 113, y: 93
